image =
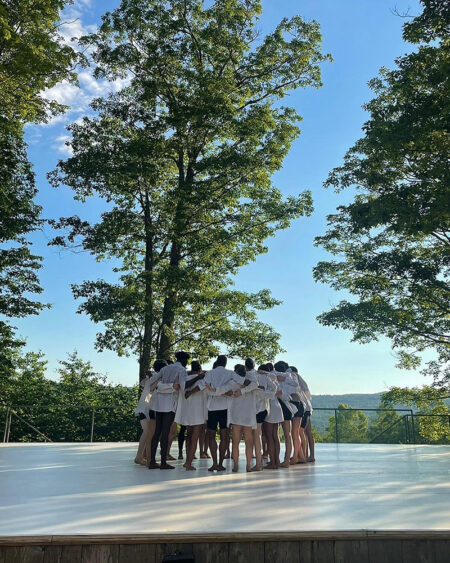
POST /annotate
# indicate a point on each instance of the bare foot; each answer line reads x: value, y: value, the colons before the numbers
x: 311, y: 459
x: 180, y: 456
x: 205, y: 456
x: 213, y: 468
x: 170, y: 458
x: 166, y: 466
x: 190, y: 468
x: 138, y: 460
x: 255, y: 468
x: 235, y: 469
x: 195, y: 457
x: 153, y: 465
x: 221, y: 468
x: 270, y: 466
x: 285, y: 464
x: 227, y: 456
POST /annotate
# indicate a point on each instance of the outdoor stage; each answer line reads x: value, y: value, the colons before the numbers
x: 352, y: 491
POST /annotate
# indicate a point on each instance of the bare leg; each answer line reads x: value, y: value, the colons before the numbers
x: 286, y: 425
x: 142, y: 442
x: 150, y: 433
x: 269, y: 431
x: 276, y: 439
x: 303, y: 442
x: 264, y: 445
x: 203, y: 443
x: 211, y: 437
x: 237, y: 433
x: 295, y: 439
x: 181, y: 440
x: 248, y: 437
x: 258, y: 447
x: 172, y: 434
x: 309, y: 434
x: 194, y: 434
x: 224, y: 444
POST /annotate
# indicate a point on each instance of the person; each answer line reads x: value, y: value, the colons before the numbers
x: 306, y: 418
x: 273, y: 418
x: 147, y: 415
x: 287, y: 386
x: 218, y: 385
x: 166, y: 405
x: 192, y: 410
x: 242, y: 413
x: 296, y: 430
x: 265, y: 391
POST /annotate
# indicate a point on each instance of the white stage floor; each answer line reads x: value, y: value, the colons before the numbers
x: 97, y: 489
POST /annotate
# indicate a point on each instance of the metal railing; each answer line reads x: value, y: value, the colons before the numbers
x: 87, y: 423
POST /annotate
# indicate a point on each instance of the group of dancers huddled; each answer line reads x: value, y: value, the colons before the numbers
x: 253, y: 402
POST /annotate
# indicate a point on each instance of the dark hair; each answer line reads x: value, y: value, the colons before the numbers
x: 263, y: 367
x: 221, y: 360
x: 281, y: 366
x: 240, y: 369
x: 169, y: 362
x: 159, y: 364
x: 249, y: 364
x: 196, y: 366
x: 182, y: 355
x: 293, y: 368
x: 269, y: 366
x: 215, y: 364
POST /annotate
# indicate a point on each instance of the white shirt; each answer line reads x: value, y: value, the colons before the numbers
x: 193, y: 410
x: 219, y: 379
x: 242, y: 410
x: 275, y: 411
x: 263, y: 396
x: 146, y: 395
x: 166, y: 397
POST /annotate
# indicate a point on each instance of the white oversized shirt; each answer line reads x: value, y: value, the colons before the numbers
x: 192, y: 411
x: 263, y: 396
x: 166, y: 400
x: 242, y: 410
x: 219, y: 379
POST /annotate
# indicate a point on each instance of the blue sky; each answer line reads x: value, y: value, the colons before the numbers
x: 362, y: 36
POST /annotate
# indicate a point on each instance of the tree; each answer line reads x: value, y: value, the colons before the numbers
x: 32, y: 59
x: 352, y: 426
x: 387, y: 428
x: 393, y: 240
x: 184, y: 156
x: 425, y: 401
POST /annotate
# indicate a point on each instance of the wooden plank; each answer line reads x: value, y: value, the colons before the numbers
x: 62, y: 553
x: 28, y: 554
x: 305, y: 552
x: 441, y: 551
x: 100, y: 554
x: 212, y: 553
x: 246, y: 552
x: 140, y: 553
x: 323, y: 551
x: 162, y: 549
x: 351, y: 551
x: 287, y: 552
x: 225, y: 537
x: 385, y: 551
x: 417, y: 551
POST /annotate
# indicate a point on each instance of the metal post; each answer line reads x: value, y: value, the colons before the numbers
x: 6, y: 424
x: 336, y: 426
x: 413, y: 427
x: 92, y: 424
x: 405, y: 418
x: 8, y: 432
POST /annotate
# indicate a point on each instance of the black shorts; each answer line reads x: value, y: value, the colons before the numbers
x: 300, y: 409
x: 151, y: 415
x: 305, y: 417
x: 217, y: 418
x: 260, y: 416
x: 287, y: 415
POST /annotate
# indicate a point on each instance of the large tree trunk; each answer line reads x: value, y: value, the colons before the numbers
x: 185, y: 182
x: 146, y: 355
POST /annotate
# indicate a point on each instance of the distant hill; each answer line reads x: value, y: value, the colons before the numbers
x: 355, y: 400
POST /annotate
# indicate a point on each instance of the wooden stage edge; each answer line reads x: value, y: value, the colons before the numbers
x: 230, y: 537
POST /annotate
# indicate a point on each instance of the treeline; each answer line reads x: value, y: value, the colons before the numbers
x: 82, y: 400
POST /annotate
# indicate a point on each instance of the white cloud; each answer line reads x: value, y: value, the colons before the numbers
x: 60, y: 144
